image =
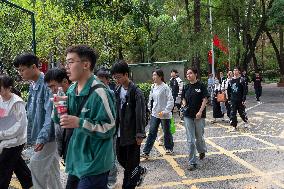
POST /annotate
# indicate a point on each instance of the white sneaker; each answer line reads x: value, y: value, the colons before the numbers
x: 246, y: 125
x: 234, y: 129
x: 214, y: 121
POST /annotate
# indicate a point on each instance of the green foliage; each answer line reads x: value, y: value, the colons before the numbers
x: 276, y: 13
x: 146, y: 89
x: 271, y: 74
x: 134, y: 30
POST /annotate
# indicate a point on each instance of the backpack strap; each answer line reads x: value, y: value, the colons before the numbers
x: 67, y: 133
x: 83, y: 102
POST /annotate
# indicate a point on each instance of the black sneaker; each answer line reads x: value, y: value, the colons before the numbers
x: 201, y: 156
x: 192, y: 167
x: 144, y: 155
x: 169, y: 152
x: 143, y: 172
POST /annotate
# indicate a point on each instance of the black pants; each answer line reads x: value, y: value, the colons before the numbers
x: 12, y: 161
x: 228, y: 107
x: 129, y: 158
x: 72, y: 182
x: 258, y: 91
x: 237, y: 106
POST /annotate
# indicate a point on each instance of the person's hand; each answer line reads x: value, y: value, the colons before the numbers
x: 161, y: 114
x: 69, y: 121
x: 56, y: 99
x: 244, y: 103
x: 38, y: 147
x: 139, y: 141
x: 198, y: 115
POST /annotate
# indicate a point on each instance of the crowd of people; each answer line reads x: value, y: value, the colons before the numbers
x: 104, y: 124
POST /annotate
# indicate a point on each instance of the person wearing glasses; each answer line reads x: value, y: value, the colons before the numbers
x: 41, y: 134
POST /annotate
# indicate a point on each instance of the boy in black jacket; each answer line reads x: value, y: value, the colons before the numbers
x: 257, y: 79
x: 237, y: 91
x: 130, y: 124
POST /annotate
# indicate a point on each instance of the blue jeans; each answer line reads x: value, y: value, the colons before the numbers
x: 195, y: 137
x: 168, y: 137
x: 112, y: 178
x: 94, y: 181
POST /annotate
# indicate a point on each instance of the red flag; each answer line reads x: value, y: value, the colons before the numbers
x: 210, y: 56
x: 216, y: 41
x: 219, y: 44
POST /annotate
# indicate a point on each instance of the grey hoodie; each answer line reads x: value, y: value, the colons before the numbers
x: 162, y: 101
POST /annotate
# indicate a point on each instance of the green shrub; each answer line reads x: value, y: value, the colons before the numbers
x: 146, y: 88
x: 204, y: 80
x: 271, y: 74
x: 23, y: 87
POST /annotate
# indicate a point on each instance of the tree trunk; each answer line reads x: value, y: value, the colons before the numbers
x: 187, y: 12
x: 120, y: 54
x: 279, y: 55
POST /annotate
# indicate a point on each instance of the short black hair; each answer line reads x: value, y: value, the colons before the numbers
x: 6, y: 82
x: 56, y: 74
x: 85, y: 52
x: 237, y: 67
x: 26, y: 59
x: 103, y: 72
x: 174, y: 70
x: 120, y: 67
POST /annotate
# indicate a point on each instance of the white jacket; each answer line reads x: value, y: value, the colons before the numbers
x: 162, y: 101
x: 13, y: 126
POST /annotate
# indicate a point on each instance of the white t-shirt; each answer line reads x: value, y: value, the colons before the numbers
x: 122, y: 96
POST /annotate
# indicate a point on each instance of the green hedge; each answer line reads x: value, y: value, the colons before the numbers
x: 146, y: 88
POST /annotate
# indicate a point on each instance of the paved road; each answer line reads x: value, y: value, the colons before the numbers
x: 250, y: 158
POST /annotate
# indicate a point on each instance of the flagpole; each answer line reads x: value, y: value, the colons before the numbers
x: 212, y: 45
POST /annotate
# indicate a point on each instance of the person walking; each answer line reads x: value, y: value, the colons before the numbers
x: 176, y: 85
x: 130, y: 124
x: 13, y: 135
x: 246, y: 79
x: 237, y: 98
x: 217, y: 109
x: 194, y: 99
x: 163, y: 103
x: 104, y: 76
x: 40, y: 134
x: 257, y: 79
x: 56, y: 78
x: 221, y: 77
x: 225, y: 89
x: 91, y: 113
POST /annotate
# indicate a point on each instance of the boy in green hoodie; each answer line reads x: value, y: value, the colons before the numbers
x: 90, y: 150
